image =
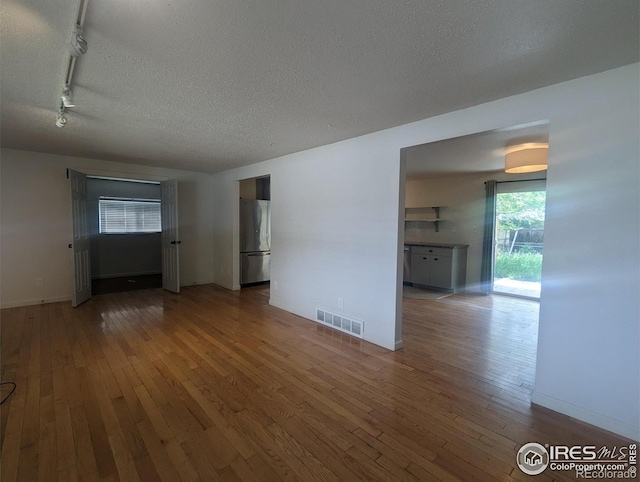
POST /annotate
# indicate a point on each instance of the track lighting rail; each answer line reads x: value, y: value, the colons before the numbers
x: 77, y: 47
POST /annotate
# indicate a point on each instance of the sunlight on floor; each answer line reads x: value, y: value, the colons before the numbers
x: 508, y: 286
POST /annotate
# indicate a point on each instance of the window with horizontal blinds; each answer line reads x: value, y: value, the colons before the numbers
x: 120, y: 216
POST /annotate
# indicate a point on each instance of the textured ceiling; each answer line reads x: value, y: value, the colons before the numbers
x: 211, y: 85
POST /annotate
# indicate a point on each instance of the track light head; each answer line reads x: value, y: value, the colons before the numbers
x: 78, y: 45
x: 67, y: 99
x: 61, y: 119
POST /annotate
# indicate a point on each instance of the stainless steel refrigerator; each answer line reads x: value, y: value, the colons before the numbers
x: 255, y: 240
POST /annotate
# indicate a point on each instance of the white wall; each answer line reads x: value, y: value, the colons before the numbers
x: 326, y: 241
x: 589, y: 339
x: 36, y: 223
x: 336, y: 233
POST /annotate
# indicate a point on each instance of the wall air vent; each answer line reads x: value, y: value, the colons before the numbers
x: 339, y: 322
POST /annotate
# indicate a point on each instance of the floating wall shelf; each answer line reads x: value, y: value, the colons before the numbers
x: 423, y: 215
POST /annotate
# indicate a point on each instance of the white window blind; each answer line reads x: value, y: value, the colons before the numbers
x: 119, y: 216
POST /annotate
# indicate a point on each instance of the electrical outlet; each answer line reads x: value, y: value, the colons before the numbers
x: 453, y: 229
x: 340, y: 302
x: 275, y: 285
x: 39, y: 282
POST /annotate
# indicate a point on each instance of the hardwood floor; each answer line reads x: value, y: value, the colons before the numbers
x: 215, y: 385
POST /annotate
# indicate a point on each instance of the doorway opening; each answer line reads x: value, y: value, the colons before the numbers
x: 124, y: 225
x: 519, y: 238
x: 84, y: 223
x: 255, y: 231
x: 445, y: 206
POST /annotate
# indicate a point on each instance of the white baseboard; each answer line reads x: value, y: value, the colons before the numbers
x: 586, y: 415
x: 399, y: 345
x: 17, y: 304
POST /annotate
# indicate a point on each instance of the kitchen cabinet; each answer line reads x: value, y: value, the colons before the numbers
x: 439, y: 266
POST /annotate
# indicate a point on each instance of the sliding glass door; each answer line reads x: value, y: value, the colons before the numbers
x: 519, y: 238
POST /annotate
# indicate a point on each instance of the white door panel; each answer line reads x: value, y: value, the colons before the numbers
x: 80, y: 235
x: 170, y: 239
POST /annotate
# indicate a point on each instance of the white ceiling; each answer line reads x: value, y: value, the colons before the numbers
x: 211, y: 85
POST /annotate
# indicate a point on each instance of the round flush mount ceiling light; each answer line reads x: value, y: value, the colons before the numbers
x: 530, y: 157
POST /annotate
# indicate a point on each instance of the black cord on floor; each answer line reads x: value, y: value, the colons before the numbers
x: 13, y: 389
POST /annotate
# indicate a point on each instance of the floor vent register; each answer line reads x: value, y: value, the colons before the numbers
x: 339, y: 322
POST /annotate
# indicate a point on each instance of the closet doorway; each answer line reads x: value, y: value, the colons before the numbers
x: 123, y: 220
x: 125, y: 235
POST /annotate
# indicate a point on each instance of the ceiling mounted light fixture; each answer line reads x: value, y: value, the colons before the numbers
x: 77, y: 45
x: 67, y: 99
x: 61, y: 118
x: 530, y: 157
